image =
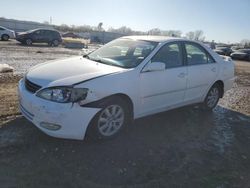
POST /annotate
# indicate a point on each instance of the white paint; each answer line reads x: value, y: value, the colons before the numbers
x: 8, y: 32
x: 150, y: 91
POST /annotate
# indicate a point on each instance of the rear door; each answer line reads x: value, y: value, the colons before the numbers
x: 48, y: 36
x: 163, y: 89
x: 202, y: 71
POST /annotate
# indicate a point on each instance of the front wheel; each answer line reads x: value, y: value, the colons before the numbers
x: 5, y: 37
x: 212, y: 97
x: 28, y: 42
x: 248, y: 58
x: 54, y: 43
x: 110, y: 120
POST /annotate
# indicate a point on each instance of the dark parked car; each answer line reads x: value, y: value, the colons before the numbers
x: 52, y: 37
x: 223, y: 50
x: 71, y: 35
x: 243, y: 54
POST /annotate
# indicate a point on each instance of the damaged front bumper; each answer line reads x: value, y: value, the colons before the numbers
x: 61, y: 120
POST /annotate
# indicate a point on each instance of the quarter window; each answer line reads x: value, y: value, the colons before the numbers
x: 170, y: 54
x: 196, y: 55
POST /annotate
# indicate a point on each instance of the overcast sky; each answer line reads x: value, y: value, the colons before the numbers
x: 221, y: 20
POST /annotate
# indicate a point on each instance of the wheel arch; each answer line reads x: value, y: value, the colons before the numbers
x: 100, y: 103
x: 5, y: 35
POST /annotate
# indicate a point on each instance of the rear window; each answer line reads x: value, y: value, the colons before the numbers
x: 196, y: 55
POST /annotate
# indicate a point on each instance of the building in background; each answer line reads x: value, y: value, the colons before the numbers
x: 18, y: 25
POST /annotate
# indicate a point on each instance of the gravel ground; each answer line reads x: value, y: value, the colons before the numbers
x: 178, y: 148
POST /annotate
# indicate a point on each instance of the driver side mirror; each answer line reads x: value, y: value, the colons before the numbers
x: 155, y: 66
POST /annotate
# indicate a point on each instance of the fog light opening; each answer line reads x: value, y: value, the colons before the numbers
x: 50, y: 126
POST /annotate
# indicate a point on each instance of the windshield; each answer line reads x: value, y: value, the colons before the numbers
x: 31, y: 31
x: 125, y: 53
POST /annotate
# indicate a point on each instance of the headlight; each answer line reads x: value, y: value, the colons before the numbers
x: 63, y: 94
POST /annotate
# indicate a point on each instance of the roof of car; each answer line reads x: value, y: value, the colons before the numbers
x: 152, y: 38
x: 48, y: 29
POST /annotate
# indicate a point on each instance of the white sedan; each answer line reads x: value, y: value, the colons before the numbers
x: 6, y: 34
x: 128, y: 78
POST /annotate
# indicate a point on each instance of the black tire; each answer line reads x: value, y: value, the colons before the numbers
x: 54, y: 43
x: 94, y: 129
x: 28, y: 42
x: 248, y: 58
x: 5, y: 37
x: 212, y: 97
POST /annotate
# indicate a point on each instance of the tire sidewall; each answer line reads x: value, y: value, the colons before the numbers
x: 5, y: 37
x: 26, y: 42
x: 54, y: 43
x: 205, y: 105
x: 93, y: 130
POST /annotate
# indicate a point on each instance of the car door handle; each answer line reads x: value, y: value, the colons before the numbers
x: 213, y: 69
x: 181, y: 75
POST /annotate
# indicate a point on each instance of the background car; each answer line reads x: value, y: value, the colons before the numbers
x: 236, y: 48
x: 223, y: 50
x: 243, y: 54
x: 71, y: 35
x: 6, y: 34
x: 52, y: 37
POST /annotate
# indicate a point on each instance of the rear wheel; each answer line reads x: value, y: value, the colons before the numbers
x: 212, y: 97
x: 54, y: 43
x: 110, y: 120
x: 5, y: 37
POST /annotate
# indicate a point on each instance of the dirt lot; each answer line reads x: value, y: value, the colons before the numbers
x: 179, y: 148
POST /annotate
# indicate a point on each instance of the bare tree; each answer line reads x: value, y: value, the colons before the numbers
x: 195, y: 35
x: 190, y: 35
x: 171, y: 33
x: 154, y: 31
x: 46, y: 22
x: 99, y: 27
x: 198, y: 35
x: 245, y: 43
x: 122, y: 30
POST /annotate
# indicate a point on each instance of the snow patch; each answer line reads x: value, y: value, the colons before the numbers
x: 6, y: 68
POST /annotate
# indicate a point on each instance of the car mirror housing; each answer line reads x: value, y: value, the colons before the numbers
x: 155, y: 66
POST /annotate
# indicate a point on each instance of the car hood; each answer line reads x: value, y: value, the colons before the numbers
x: 68, y: 72
x: 22, y: 33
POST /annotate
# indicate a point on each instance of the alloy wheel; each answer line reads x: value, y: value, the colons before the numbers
x: 213, y: 97
x: 111, y: 120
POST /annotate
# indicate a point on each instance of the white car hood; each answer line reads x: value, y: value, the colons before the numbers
x: 68, y: 71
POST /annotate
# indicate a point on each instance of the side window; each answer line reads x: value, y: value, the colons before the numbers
x: 196, y: 55
x: 48, y: 33
x: 45, y: 33
x: 1, y: 29
x: 38, y: 32
x: 170, y: 54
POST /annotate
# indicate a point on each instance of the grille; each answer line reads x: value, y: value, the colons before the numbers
x: 31, y: 87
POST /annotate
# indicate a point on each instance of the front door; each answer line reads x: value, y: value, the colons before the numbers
x: 38, y: 36
x: 160, y: 90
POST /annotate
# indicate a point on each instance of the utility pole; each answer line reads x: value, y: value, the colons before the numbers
x: 50, y: 20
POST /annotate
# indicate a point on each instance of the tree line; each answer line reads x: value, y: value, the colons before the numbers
x: 124, y: 30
